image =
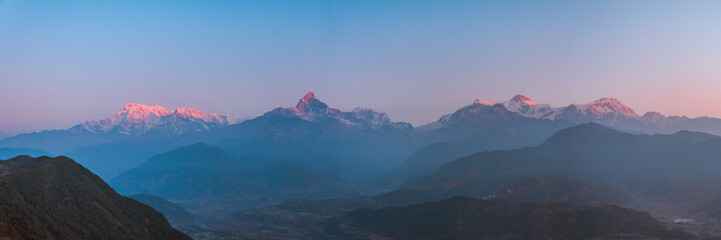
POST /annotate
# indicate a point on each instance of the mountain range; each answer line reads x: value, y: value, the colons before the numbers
x: 133, y: 121
x: 356, y: 145
x: 493, y: 125
x: 313, y: 110
x: 610, y: 112
x: 314, y: 171
x: 310, y: 134
x: 350, y: 145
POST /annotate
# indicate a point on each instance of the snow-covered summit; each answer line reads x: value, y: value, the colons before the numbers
x: 526, y: 107
x: 609, y: 111
x: 479, y: 109
x: 136, y: 119
x: 601, y: 108
x: 607, y: 105
x: 311, y: 109
x: 522, y: 99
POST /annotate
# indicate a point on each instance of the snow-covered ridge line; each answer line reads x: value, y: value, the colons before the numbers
x: 606, y: 110
x: 602, y: 107
x: 311, y: 109
x: 136, y: 118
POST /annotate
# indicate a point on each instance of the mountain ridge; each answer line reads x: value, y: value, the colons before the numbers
x: 56, y: 198
x: 133, y: 121
x: 590, y: 152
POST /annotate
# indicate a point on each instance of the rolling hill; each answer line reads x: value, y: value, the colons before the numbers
x: 56, y: 198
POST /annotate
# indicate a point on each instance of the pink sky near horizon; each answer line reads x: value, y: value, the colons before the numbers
x: 62, y: 63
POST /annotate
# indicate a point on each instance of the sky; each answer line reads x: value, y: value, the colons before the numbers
x: 65, y: 62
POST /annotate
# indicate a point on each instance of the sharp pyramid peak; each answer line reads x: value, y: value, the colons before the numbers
x: 303, y: 103
x: 309, y: 95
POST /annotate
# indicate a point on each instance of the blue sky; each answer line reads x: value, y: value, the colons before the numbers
x: 64, y: 62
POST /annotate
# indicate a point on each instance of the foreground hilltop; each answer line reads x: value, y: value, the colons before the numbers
x: 56, y: 198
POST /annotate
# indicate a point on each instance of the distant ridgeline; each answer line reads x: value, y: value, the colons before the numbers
x: 354, y: 146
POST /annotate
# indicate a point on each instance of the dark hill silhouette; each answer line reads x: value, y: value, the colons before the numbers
x: 547, y: 189
x: 471, y: 218
x: 56, y: 198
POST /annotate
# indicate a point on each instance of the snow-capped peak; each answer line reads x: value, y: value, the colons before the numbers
x: 310, y: 105
x: 526, y: 107
x: 311, y: 109
x: 135, y: 112
x: 306, y: 101
x: 603, y: 109
x: 607, y: 105
x: 134, y: 119
x: 522, y: 99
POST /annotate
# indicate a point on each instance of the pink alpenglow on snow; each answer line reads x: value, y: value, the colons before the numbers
x: 608, y: 105
x: 136, y: 118
x: 305, y: 102
x: 602, y: 107
x: 523, y: 99
x: 486, y: 102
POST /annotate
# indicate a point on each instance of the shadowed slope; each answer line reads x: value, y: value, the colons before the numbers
x: 56, y: 198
